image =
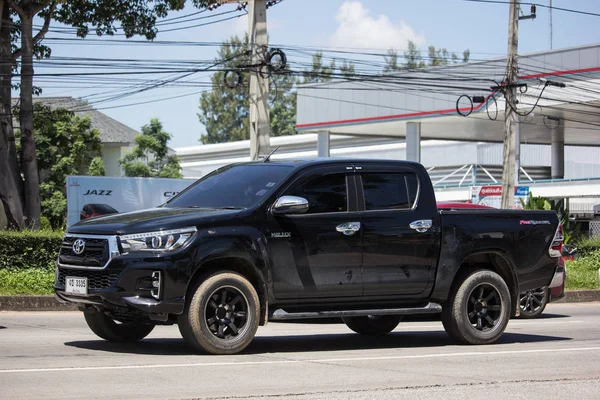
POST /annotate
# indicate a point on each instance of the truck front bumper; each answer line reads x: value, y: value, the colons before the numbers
x: 148, y: 286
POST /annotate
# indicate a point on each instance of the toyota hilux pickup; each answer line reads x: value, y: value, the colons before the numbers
x: 281, y: 240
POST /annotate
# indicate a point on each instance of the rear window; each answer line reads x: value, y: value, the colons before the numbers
x: 390, y: 191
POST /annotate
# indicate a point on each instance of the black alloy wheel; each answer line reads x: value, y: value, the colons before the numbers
x: 226, y: 313
x: 532, y: 303
x: 484, y: 307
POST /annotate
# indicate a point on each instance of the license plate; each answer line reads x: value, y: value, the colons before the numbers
x: 74, y: 285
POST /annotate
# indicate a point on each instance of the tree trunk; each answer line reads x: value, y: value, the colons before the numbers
x: 11, y: 184
x: 28, y: 156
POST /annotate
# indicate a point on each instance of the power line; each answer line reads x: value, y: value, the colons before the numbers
x: 569, y: 10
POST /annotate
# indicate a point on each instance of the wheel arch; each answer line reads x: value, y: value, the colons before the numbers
x: 237, y: 264
x: 493, y: 261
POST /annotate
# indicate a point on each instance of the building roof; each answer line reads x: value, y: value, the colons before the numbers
x: 111, y: 131
x: 446, y: 101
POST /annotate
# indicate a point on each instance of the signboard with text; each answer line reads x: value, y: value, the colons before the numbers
x: 93, y: 196
x: 492, y: 195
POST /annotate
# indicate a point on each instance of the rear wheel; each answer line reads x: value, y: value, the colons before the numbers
x: 532, y: 303
x: 222, y: 316
x: 373, y: 324
x: 114, y: 331
x: 478, y: 309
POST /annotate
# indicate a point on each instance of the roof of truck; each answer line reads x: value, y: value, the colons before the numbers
x: 326, y: 160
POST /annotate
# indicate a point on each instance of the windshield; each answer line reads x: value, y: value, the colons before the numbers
x: 233, y: 186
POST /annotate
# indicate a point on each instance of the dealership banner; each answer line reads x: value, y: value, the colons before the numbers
x: 92, y: 196
x: 492, y: 195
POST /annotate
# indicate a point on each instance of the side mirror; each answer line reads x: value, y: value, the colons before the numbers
x: 290, y: 205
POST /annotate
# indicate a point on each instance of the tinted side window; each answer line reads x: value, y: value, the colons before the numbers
x: 388, y: 191
x: 326, y: 193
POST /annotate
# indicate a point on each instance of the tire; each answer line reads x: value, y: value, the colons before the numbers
x: 373, y: 325
x: 107, y: 329
x: 222, y: 316
x: 478, y: 308
x: 532, y: 303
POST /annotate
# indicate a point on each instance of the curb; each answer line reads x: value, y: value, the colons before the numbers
x: 33, y: 303
x: 580, y: 296
x: 49, y: 303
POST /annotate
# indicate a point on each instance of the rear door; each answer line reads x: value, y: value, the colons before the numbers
x: 310, y: 256
x: 400, y: 232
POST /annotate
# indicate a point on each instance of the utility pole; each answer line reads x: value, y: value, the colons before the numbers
x: 259, y: 84
x: 509, y: 174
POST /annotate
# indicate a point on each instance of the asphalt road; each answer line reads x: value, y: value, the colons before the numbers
x: 53, y: 355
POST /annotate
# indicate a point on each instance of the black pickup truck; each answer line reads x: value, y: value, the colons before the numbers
x: 276, y: 240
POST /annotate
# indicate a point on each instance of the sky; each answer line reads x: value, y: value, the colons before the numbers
x: 361, y: 25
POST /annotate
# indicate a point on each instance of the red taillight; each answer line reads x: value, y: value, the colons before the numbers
x: 557, y: 243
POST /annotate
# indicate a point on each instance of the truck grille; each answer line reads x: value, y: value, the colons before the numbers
x: 96, y: 279
x: 96, y: 252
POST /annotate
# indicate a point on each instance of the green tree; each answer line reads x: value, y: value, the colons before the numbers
x: 347, y: 69
x: 225, y: 111
x: 319, y: 72
x: 135, y: 17
x: 414, y: 60
x: 150, y: 157
x: 66, y: 145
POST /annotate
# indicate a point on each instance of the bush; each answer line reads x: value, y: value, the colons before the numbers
x: 29, y: 281
x: 27, y: 262
x: 582, y: 273
x: 587, y: 246
x: 28, y: 250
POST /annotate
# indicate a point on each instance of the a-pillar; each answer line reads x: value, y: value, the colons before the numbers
x: 323, y: 144
x: 413, y: 141
x: 557, y: 148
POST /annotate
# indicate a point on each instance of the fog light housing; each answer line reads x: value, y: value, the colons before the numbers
x: 156, y: 291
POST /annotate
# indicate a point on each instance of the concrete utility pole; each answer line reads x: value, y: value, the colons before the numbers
x: 509, y: 174
x: 259, y: 85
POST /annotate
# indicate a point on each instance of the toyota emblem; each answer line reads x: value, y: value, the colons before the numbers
x: 79, y: 246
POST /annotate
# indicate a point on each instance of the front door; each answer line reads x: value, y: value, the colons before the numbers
x: 312, y: 255
x: 397, y: 259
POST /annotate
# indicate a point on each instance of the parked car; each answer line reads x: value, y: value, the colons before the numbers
x: 281, y: 240
x: 96, y: 210
x: 532, y: 302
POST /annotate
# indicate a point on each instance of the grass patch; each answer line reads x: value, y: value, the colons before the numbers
x: 28, y: 281
x: 582, y: 273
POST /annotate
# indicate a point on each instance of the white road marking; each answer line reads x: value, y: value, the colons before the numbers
x: 324, y: 360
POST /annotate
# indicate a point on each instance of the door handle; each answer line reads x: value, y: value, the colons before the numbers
x: 422, y: 225
x: 349, y: 228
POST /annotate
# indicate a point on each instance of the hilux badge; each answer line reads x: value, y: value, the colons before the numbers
x: 79, y: 246
x: 281, y: 235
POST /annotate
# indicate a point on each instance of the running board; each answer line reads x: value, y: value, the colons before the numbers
x: 281, y: 315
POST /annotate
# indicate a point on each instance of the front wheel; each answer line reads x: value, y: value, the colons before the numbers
x: 373, y: 324
x: 222, y: 316
x: 478, y: 308
x: 532, y: 303
x: 113, y: 331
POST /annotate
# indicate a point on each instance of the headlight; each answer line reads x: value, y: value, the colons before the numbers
x: 157, y: 241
